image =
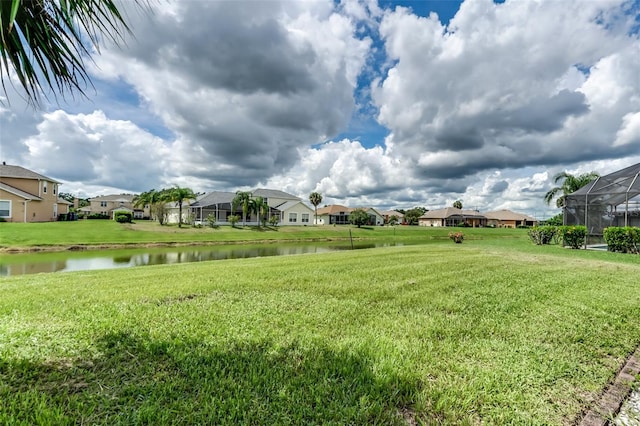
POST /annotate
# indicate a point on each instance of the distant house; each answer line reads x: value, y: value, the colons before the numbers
x: 334, y: 214
x: 387, y: 214
x: 108, y: 204
x: 375, y: 217
x: 451, y: 216
x: 27, y: 196
x: 289, y: 209
x: 509, y: 219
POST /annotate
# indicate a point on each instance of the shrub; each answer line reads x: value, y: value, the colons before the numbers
x: 233, y: 219
x: 98, y: 216
x: 456, y: 237
x: 274, y: 220
x: 211, y: 220
x: 573, y: 236
x: 123, y: 217
x: 542, y: 234
x: 622, y: 239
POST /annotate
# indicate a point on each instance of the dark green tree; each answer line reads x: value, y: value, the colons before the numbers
x: 359, y: 217
x: 411, y: 216
x: 457, y: 204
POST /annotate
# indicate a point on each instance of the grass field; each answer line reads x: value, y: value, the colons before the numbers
x: 493, y: 331
x: 106, y: 232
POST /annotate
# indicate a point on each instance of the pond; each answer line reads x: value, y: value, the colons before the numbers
x: 34, y: 263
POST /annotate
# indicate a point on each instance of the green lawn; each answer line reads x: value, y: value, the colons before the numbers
x: 106, y: 232
x: 493, y: 331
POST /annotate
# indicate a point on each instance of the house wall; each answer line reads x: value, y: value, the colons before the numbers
x: 430, y: 222
x: 96, y: 206
x: 46, y: 210
x: 299, y: 210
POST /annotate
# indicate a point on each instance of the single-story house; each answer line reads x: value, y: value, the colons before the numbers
x: 334, y: 214
x: 27, y: 196
x: 451, y: 216
x: 388, y: 214
x: 289, y: 209
x: 509, y: 219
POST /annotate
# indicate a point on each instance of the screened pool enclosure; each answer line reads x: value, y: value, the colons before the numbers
x: 611, y: 200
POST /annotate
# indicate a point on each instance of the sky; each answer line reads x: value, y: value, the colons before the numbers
x: 390, y: 104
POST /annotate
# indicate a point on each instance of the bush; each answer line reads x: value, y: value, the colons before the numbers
x: 123, y: 217
x: 456, y: 237
x: 622, y: 239
x: 211, y: 220
x: 542, y: 234
x: 573, y: 236
x: 98, y: 216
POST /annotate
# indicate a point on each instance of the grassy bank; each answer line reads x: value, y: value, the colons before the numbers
x: 54, y: 235
x: 494, y: 330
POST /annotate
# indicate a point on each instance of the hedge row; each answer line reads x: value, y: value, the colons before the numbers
x: 572, y: 236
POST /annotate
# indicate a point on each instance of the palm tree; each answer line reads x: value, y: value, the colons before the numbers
x: 569, y: 185
x: 150, y: 198
x: 45, y: 41
x: 260, y: 206
x: 264, y: 208
x: 315, y: 198
x: 180, y: 195
x: 242, y: 198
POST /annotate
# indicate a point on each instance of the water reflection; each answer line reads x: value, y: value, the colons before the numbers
x: 21, y: 264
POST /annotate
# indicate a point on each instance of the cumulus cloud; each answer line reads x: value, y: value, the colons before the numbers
x: 515, y: 84
x: 244, y: 87
x: 97, y: 151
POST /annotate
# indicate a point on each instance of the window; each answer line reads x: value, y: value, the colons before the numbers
x: 55, y: 187
x: 44, y: 186
x: 293, y: 217
x: 103, y: 204
x: 305, y: 217
x: 5, y: 208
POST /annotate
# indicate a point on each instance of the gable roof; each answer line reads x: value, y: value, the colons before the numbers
x: 22, y: 173
x: 334, y: 209
x: 19, y: 192
x: 508, y: 215
x: 273, y: 193
x: 391, y: 213
x: 215, y: 197
x: 290, y: 204
x: 450, y: 211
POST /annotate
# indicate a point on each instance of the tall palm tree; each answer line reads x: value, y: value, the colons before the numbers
x: 570, y: 184
x: 180, y: 195
x: 242, y: 198
x: 45, y: 41
x: 315, y: 198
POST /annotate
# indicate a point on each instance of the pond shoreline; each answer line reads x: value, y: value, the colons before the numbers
x: 114, y: 246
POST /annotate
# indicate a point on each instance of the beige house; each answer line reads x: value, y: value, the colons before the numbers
x: 509, y: 219
x: 334, y: 214
x: 388, y: 214
x: 108, y: 204
x: 27, y: 196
